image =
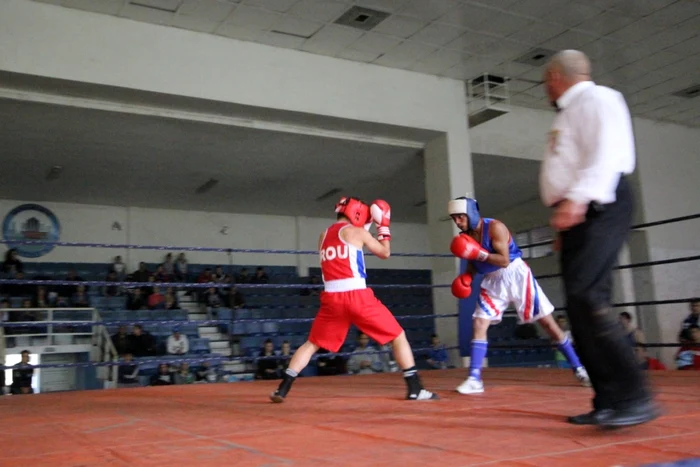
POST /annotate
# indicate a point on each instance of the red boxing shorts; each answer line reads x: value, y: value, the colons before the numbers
x: 360, y: 307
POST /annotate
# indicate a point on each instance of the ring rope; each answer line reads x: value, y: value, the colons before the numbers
x: 287, y: 252
x: 636, y: 265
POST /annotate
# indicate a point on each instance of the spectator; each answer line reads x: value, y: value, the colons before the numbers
x: 142, y: 275
x: 690, y: 321
x: 178, y: 344
x: 243, y: 277
x: 128, y: 374
x: 219, y: 275
x: 559, y: 358
x: 212, y: 299
x: 135, y: 300
x: 260, y: 276
x: 365, y: 359
x: 329, y: 365
x: 206, y: 374
x: 387, y: 357
x: 164, y: 377
x: 68, y: 291
x: 20, y: 290
x: 285, y: 356
x: 267, y: 368
x: 236, y: 298
x: 169, y: 266
x: 205, y: 276
x: 307, y: 291
x: 80, y: 299
x: 161, y: 275
x: 40, y: 299
x: 183, y: 375
x: 12, y: 264
x: 122, y: 342
x: 111, y: 290
x: 437, y: 358
x: 142, y: 343
x: 118, y: 267
x: 181, y: 268
x: 688, y: 356
x: 156, y: 300
x: 170, y: 303
x: 22, y: 374
x: 147, y: 290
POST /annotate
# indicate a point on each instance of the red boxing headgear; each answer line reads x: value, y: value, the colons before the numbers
x: 354, y: 209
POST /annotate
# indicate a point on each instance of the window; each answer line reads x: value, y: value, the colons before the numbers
x: 528, y: 237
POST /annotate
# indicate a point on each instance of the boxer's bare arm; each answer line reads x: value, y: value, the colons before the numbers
x: 359, y: 238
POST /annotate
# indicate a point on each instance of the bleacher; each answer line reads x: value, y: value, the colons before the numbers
x: 287, y: 303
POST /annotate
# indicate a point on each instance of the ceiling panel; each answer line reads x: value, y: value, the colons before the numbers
x: 645, y: 48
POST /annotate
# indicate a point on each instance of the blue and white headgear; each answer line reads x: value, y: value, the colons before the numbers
x: 468, y: 206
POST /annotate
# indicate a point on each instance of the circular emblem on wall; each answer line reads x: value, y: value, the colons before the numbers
x: 31, y: 222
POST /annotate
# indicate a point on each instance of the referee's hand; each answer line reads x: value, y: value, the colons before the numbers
x: 567, y: 215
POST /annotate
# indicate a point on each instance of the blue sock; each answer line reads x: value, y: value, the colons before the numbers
x: 567, y: 349
x: 477, y: 358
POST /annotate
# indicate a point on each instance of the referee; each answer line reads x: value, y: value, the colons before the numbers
x: 583, y: 177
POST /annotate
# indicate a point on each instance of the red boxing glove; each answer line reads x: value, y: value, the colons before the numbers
x: 462, y: 286
x: 465, y: 247
x: 381, y: 215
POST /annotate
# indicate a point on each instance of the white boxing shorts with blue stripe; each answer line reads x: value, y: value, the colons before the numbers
x: 513, y: 284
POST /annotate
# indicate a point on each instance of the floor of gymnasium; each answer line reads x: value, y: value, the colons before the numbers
x: 346, y: 421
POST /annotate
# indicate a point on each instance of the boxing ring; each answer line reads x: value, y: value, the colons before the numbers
x: 327, y: 421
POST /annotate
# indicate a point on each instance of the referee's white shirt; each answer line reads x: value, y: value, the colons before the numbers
x: 591, y: 143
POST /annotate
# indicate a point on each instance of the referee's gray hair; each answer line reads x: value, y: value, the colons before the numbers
x: 571, y: 63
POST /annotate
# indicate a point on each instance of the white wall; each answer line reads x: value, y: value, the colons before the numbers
x: 93, y: 224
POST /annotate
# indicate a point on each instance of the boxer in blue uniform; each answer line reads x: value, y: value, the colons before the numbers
x: 490, y: 249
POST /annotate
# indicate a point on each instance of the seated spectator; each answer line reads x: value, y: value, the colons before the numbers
x: 178, y: 344
x: 285, y: 355
x: 212, y: 299
x: 183, y: 375
x: 169, y: 266
x: 389, y: 365
x: 267, y: 368
x: 20, y: 290
x: 41, y: 300
x: 135, y: 300
x: 206, y: 374
x: 68, y: 291
x: 243, y: 277
x: 560, y: 358
x: 118, y: 267
x: 12, y: 264
x: 329, y: 365
x: 142, y: 274
x: 161, y: 275
x: 181, y: 268
x: 307, y: 291
x: 170, y: 303
x: 121, y: 341
x: 365, y: 358
x: 219, y: 274
x: 205, y: 276
x: 260, y: 276
x: 634, y: 335
x: 164, y: 377
x: 156, y: 300
x: 80, y: 299
x: 225, y: 292
x: 688, y: 356
x: 142, y: 343
x: 690, y: 321
x: 111, y: 290
x: 236, y: 299
x: 22, y: 374
x: 128, y: 373
x: 437, y: 358
x: 147, y: 290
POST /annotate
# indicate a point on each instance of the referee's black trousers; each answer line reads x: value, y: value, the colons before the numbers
x: 589, y: 252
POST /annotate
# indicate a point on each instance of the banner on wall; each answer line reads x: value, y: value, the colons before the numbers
x: 31, y: 222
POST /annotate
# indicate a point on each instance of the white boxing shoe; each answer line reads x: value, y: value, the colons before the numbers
x: 471, y: 386
x: 582, y: 377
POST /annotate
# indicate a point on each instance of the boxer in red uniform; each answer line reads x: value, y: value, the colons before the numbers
x: 347, y: 300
